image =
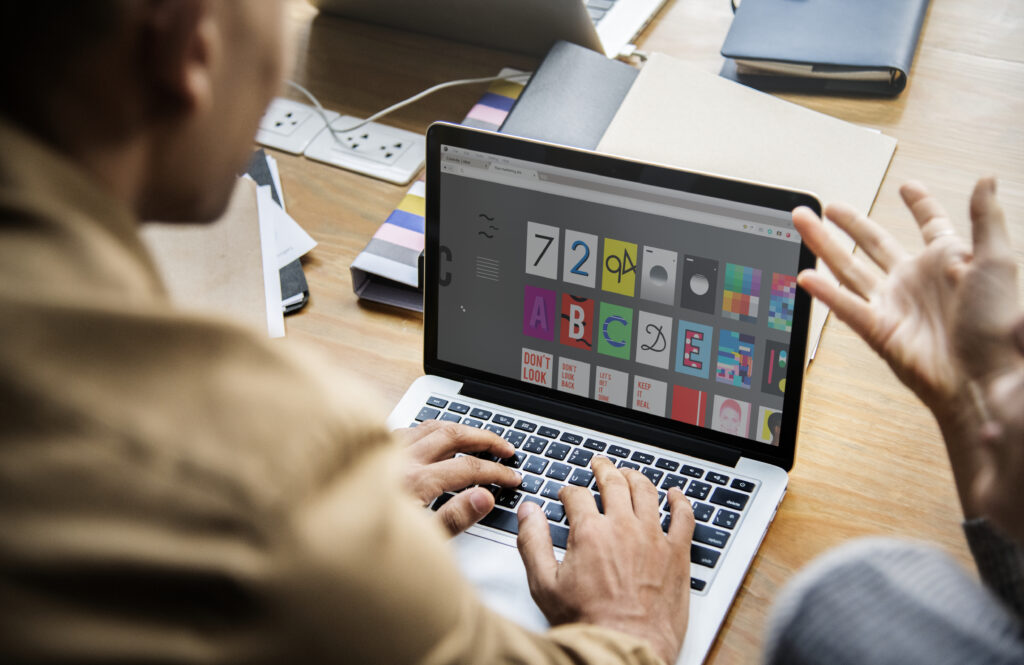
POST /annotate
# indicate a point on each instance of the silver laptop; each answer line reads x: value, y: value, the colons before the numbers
x: 578, y: 304
x: 523, y: 26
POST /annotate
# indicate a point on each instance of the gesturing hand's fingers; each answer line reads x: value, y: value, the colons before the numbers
x: 465, y: 509
x: 928, y: 212
x: 852, y: 309
x: 455, y: 474
x: 614, y: 490
x: 988, y: 224
x: 850, y: 269
x: 578, y: 502
x: 534, y: 542
x: 680, y: 530
x: 442, y: 440
x: 868, y: 234
x: 644, y: 495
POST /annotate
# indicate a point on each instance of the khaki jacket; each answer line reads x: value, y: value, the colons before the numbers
x: 174, y: 489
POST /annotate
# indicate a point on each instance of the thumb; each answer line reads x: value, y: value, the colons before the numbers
x: 535, y: 548
x: 465, y: 509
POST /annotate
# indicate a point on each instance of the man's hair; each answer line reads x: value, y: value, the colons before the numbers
x: 731, y: 404
x: 41, y: 41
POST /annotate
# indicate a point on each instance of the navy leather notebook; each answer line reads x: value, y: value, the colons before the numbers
x: 862, y: 46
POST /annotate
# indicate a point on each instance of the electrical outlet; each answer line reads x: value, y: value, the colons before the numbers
x: 290, y: 126
x: 379, y: 151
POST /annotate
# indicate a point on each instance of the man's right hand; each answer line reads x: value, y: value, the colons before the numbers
x: 620, y: 570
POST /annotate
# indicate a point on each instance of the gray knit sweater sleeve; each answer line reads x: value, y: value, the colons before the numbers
x: 880, y: 601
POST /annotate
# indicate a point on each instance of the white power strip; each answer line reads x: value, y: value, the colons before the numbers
x: 376, y: 150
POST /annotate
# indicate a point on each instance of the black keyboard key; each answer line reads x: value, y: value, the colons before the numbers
x: 666, y: 464
x: 729, y: 498
x: 697, y: 585
x: 559, y: 471
x: 437, y: 401
x: 629, y: 465
x: 503, y: 520
x: 515, y: 461
x: 618, y: 451
x: 581, y: 477
x: 559, y: 535
x: 692, y: 471
x: 704, y: 556
x: 600, y: 504
x: 742, y: 485
x: 531, y: 484
x: 557, y: 450
x: 504, y: 421
x: 702, y: 533
x: 427, y: 413
x: 594, y: 444
x: 458, y: 408
x: 580, y: 457
x: 551, y: 489
x: 535, y: 444
x: 450, y: 417
x: 441, y: 500
x: 535, y: 464
x: 702, y: 511
x: 726, y: 518
x: 490, y: 427
x: 482, y: 414
x: 508, y: 498
x: 661, y: 498
x: 672, y: 480
x: 526, y: 426
x: 574, y: 439
x: 642, y: 458
x: 514, y: 437
x: 554, y: 511
x: 653, y: 475
x: 665, y: 523
x: 717, y: 478
x: 698, y: 490
x: 533, y: 499
x: 471, y: 422
x: 548, y: 432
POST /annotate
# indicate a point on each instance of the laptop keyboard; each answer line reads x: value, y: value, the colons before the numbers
x: 549, y: 457
x: 598, y: 8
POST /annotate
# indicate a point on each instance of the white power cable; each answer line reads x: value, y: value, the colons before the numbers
x: 405, y: 102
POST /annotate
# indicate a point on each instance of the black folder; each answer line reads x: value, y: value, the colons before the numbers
x: 862, y: 46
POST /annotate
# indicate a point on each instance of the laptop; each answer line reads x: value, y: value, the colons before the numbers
x: 578, y: 304
x: 523, y: 26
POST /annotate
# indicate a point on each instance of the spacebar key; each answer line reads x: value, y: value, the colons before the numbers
x: 505, y: 520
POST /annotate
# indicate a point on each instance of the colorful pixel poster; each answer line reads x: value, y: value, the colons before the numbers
x: 693, y: 349
x: 539, y: 313
x: 773, y: 376
x: 610, y: 386
x: 769, y: 422
x: 741, y: 293
x: 537, y: 368
x: 577, y: 322
x: 615, y: 331
x: 689, y: 405
x: 735, y: 358
x: 781, y: 301
x: 649, y: 395
x: 730, y: 416
x: 574, y: 377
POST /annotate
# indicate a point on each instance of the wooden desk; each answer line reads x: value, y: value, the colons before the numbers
x: 870, y: 460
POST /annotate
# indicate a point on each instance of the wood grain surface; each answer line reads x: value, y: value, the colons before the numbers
x: 869, y: 460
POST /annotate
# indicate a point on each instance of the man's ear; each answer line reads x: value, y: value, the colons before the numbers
x: 180, y: 47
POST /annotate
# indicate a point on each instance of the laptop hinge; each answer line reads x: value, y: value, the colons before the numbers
x: 592, y: 419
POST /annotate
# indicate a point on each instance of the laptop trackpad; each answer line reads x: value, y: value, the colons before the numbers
x: 498, y: 574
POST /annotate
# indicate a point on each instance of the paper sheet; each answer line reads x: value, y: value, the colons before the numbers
x: 271, y: 270
x: 681, y: 116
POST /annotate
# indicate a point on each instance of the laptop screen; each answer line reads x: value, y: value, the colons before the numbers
x: 636, y: 290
